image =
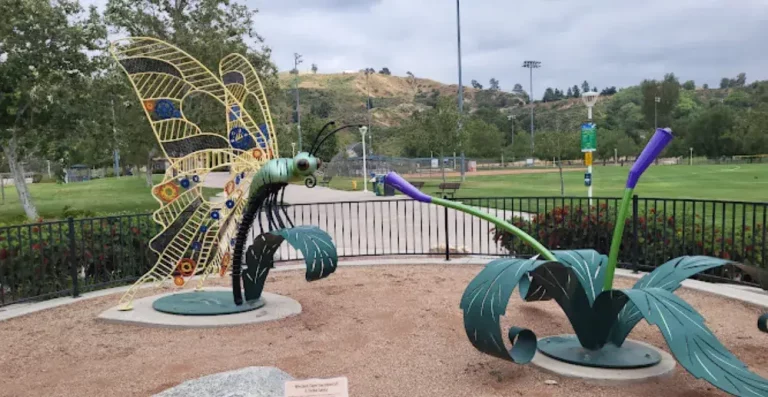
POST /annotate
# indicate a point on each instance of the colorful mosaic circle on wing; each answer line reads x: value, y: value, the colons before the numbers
x: 186, y: 267
x: 164, y: 109
x: 167, y: 192
x: 240, y: 138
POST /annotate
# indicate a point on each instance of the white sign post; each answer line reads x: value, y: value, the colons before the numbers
x: 590, y: 99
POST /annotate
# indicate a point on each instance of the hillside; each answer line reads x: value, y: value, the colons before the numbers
x: 394, y: 98
x: 713, y: 121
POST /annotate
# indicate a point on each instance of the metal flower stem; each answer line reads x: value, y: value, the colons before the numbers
x: 618, y: 233
x: 499, y: 223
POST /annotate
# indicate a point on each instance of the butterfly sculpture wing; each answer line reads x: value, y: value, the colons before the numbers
x: 197, y: 230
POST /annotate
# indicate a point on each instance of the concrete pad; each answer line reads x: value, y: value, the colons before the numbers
x: 276, y: 307
x: 245, y: 382
x: 604, y: 376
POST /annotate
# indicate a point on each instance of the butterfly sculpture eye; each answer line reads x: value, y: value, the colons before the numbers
x: 302, y: 164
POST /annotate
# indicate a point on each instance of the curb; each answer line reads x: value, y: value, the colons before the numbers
x: 751, y: 296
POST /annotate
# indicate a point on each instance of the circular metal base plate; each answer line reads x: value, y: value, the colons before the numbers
x: 568, y: 349
x: 203, y: 303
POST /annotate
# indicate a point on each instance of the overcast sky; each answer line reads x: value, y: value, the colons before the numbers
x: 607, y: 42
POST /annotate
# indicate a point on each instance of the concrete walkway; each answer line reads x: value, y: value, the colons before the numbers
x: 748, y: 295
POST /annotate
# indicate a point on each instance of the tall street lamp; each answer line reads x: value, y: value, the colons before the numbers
x: 531, y: 65
x: 296, y: 61
x: 363, y: 131
x: 657, y: 100
x: 293, y: 148
x: 461, y: 87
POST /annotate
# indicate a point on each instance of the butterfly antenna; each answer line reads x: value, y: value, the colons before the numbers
x: 328, y: 124
x: 319, y: 145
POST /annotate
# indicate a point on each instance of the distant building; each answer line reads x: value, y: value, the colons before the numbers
x: 350, y: 71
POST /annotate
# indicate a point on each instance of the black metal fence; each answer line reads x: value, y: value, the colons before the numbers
x: 46, y: 260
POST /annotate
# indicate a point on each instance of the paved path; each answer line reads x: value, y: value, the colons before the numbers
x: 748, y: 295
x: 362, y: 223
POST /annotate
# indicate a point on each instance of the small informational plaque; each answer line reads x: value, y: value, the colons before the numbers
x: 335, y: 387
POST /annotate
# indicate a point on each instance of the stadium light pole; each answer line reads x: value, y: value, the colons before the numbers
x: 461, y: 87
x: 531, y: 65
x: 656, y: 101
x: 296, y: 61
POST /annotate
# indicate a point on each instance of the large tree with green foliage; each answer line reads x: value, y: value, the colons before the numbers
x: 668, y: 90
x: 44, y: 73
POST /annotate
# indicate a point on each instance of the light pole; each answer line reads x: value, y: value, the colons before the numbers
x: 296, y: 61
x: 461, y: 87
x: 690, y: 159
x: 363, y: 130
x: 615, y: 156
x: 531, y: 65
x: 657, y: 100
x: 512, y: 118
x: 293, y: 148
x: 589, y: 139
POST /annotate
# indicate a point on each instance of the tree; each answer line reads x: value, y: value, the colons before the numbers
x: 576, y: 91
x: 44, y: 72
x: 668, y: 90
x: 517, y: 88
x: 385, y: 70
x: 483, y: 140
x: 569, y: 94
x: 725, y: 83
x: 493, y: 84
x: 689, y: 85
x: 206, y: 29
x: 434, y: 130
x: 585, y: 86
x: 741, y: 80
x: 314, y: 68
x: 705, y: 86
x: 608, y: 91
x: 549, y: 95
x: 710, y: 133
x: 476, y: 85
x: 322, y: 110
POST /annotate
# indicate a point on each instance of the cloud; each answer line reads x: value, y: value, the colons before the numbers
x: 606, y: 42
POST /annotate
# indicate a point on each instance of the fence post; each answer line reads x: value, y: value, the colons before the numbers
x: 72, y: 261
x: 635, y: 243
x: 447, y: 241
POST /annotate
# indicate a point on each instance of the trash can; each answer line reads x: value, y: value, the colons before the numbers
x: 388, y: 189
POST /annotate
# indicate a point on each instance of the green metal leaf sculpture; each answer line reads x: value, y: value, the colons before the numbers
x: 588, y: 267
x: 691, y: 342
x: 316, y: 245
x: 668, y: 276
x: 485, y: 301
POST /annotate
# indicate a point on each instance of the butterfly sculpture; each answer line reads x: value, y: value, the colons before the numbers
x: 200, y: 235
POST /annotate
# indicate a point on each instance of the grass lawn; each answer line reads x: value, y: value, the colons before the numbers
x: 131, y: 195
x: 747, y: 182
x: 84, y: 199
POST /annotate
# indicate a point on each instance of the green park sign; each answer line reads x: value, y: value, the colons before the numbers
x: 588, y: 137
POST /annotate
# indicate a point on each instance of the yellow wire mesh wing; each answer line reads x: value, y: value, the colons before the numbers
x: 243, y: 83
x: 196, y: 230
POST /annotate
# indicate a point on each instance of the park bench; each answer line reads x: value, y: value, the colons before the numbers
x: 417, y: 185
x: 447, y: 188
x: 326, y: 180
